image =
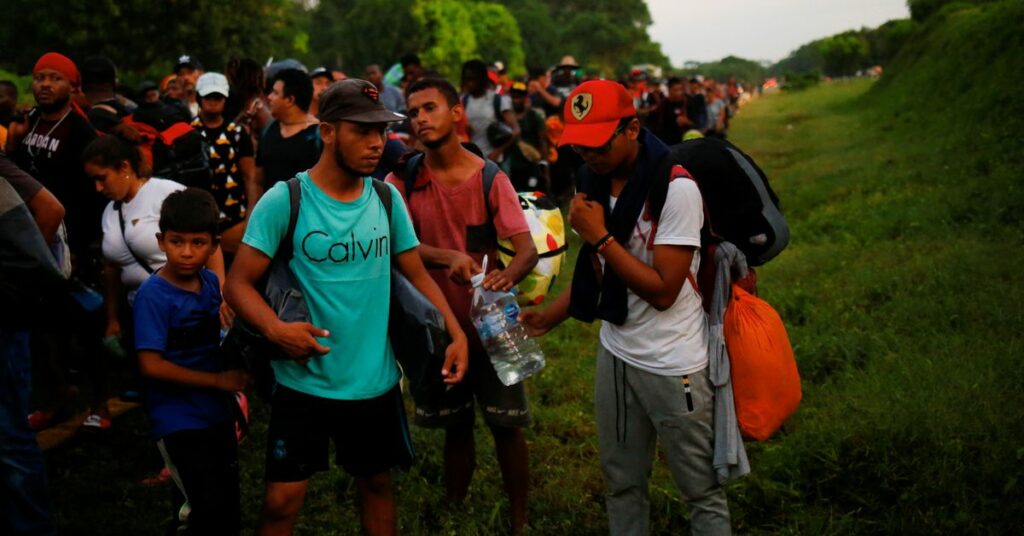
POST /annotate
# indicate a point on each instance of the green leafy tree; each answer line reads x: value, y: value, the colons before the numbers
x: 351, y: 34
x: 746, y: 71
x: 889, y: 38
x: 448, y: 39
x: 146, y: 37
x: 920, y: 10
x: 497, y: 36
x: 540, y: 32
x: 845, y: 53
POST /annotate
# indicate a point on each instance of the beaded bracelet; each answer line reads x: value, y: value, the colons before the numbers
x: 604, y: 243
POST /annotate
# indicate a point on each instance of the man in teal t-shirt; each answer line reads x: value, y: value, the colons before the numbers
x: 343, y: 382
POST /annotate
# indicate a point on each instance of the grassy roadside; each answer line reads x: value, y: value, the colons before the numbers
x: 901, y: 292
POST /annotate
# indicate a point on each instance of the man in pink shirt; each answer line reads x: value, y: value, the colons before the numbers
x: 458, y: 224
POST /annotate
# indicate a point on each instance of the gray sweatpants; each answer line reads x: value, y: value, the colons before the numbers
x: 634, y: 409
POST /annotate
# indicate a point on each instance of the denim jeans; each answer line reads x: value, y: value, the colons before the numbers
x: 24, y: 502
x: 635, y: 411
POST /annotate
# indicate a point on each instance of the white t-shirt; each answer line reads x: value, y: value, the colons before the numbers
x: 141, y: 224
x: 672, y: 342
x: 480, y: 115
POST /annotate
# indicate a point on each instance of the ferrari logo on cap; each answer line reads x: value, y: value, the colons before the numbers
x: 372, y: 93
x: 581, y: 105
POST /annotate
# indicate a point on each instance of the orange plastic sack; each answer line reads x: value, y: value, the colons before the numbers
x: 765, y: 382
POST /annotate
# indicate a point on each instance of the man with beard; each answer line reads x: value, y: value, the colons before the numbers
x: 343, y: 381
x: 48, y: 142
x: 459, y: 225
x: 291, y: 143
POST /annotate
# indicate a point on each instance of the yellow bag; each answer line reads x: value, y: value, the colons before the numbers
x: 548, y: 231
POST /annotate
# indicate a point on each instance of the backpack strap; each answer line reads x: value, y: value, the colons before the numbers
x: 490, y: 172
x: 384, y: 193
x: 497, y: 107
x: 412, y: 170
x: 286, y: 248
x: 138, y: 260
x: 656, y: 203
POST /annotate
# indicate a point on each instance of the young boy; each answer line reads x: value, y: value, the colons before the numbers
x: 188, y: 397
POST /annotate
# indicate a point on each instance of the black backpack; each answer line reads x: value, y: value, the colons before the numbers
x: 179, y: 152
x: 740, y: 205
x: 245, y: 346
x: 416, y: 329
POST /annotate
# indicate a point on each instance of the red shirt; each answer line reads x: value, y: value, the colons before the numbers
x: 444, y: 215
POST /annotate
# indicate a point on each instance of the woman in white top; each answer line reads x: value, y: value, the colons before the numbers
x: 130, y: 224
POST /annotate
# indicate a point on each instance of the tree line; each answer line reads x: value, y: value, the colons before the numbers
x: 145, y: 37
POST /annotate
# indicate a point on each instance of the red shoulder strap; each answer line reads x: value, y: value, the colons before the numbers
x: 174, y: 132
x: 677, y: 172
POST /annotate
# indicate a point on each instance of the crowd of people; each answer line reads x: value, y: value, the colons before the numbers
x: 162, y: 213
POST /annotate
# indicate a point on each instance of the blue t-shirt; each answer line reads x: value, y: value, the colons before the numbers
x: 184, y: 327
x: 342, y: 261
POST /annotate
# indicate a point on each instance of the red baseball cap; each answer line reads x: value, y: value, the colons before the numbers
x: 593, y: 111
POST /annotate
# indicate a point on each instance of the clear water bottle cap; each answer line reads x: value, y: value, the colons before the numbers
x: 478, y: 279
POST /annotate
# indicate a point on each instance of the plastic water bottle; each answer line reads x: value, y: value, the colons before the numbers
x: 495, y: 315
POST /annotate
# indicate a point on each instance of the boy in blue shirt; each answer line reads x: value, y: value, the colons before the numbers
x: 342, y: 382
x: 187, y: 394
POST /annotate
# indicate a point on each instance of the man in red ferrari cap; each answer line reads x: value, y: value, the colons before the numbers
x: 652, y: 362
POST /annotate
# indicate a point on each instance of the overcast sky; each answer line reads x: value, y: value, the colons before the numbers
x: 708, y: 30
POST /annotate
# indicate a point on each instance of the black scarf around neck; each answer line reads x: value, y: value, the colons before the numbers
x: 607, y: 300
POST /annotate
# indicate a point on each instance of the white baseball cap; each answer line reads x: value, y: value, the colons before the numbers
x: 210, y: 83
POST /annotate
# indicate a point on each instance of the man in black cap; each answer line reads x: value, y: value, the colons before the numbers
x: 99, y: 84
x: 188, y: 70
x: 322, y: 77
x: 149, y: 92
x: 342, y: 383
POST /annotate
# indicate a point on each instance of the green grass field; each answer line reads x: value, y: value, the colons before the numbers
x: 902, y: 293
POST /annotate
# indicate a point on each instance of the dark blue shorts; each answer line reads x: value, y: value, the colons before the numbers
x: 370, y: 436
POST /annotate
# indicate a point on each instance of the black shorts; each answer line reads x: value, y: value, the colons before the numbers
x: 500, y: 404
x: 370, y: 436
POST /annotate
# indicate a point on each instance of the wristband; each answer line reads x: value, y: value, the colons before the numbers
x: 602, y: 240
x: 605, y: 242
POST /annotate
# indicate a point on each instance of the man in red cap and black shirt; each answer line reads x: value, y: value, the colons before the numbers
x: 637, y: 276
x: 48, y: 142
